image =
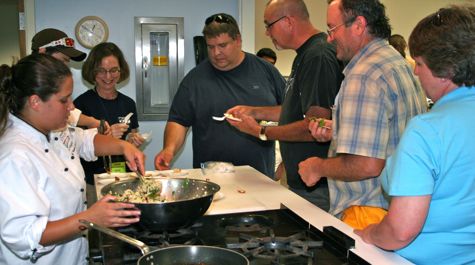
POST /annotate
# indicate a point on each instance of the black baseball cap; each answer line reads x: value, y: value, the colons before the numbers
x: 59, y: 40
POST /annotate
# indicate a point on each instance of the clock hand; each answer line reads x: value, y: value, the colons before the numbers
x: 84, y: 27
x: 93, y: 27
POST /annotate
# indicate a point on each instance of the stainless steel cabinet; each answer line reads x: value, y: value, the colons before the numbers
x: 159, y: 59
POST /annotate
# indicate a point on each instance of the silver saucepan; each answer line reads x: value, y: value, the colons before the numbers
x: 188, y: 199
x: 177, y: 255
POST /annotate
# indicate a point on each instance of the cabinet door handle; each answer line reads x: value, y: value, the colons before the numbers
x: 145, y: 66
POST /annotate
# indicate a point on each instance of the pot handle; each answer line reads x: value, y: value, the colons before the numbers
x: 141, y: 245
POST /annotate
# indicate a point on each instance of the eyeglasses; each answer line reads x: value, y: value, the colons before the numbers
x: 112, y: 71
x: 268, y: 26
x: 68, y: 42
x: 330, y: 31
x: 221, y: 18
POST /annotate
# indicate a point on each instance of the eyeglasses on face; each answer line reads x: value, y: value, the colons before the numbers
x: 112, y: 71
x: 221, y: 18
x: 68, y: 42
x: 269, y: 25
x: 331, y: 30
x: 347, y: 22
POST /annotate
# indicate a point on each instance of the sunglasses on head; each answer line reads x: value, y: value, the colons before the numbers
x: 437, y: 18
x: 68, y: 42
x: 221, y: 18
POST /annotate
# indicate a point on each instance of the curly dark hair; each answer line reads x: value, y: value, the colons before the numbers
x: 372, y: 10
x: 446, y: 42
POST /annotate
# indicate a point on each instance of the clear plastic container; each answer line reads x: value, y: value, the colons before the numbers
x: 212, y: 167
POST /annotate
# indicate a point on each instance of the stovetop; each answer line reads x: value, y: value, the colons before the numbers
x: 265, y: 237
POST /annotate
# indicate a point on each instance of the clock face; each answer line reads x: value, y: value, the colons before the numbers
x: 91, y: 31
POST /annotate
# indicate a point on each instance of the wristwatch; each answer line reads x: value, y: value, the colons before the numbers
x: 262, y: 133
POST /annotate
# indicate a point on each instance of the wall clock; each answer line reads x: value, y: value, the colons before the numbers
x: 91, y: 30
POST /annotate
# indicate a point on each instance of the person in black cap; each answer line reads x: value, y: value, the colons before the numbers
x: 56, y: 43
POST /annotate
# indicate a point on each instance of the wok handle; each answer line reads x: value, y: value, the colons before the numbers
x: 141, y: 245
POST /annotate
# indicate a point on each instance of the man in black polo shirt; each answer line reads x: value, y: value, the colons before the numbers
x: 310, y: 92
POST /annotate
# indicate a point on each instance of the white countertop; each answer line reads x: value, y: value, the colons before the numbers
x: 248, y: 190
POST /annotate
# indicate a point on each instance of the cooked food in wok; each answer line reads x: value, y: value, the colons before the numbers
x: 146, y: 191
x: 185, y: 201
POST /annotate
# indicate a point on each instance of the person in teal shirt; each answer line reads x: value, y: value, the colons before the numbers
x: 431, y: 176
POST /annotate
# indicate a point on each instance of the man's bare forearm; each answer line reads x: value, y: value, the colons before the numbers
x: 293, y: 132
x: 347, y: 167
x: 174, y: 137
x: 298, y: 131
x: 270, y: 113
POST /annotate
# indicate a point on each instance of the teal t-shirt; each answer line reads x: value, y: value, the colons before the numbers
x: 436, y: 157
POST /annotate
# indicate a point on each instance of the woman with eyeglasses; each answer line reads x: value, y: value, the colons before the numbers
x: 431, y: 176
x: 106, y: 67
x: 42, y: 192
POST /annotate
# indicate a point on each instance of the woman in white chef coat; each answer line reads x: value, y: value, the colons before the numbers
x: 42, y: 192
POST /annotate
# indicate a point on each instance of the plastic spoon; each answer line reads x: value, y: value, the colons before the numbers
x: 127, y: 118
x: 228, y: 116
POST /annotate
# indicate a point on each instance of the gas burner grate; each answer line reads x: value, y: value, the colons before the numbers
x: 249, y: 224
x: 277, y: 248
x: 184, y: 236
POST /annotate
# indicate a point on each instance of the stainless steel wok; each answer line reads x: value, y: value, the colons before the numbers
x: 188, y: 199
x: 177, y: 255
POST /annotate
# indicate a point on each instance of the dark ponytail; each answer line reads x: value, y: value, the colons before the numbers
x: 36, y: 74
x: 5, y: 95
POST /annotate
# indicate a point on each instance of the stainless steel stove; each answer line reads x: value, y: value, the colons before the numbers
x: 265, y: 237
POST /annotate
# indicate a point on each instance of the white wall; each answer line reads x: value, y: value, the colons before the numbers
x: 119, y: 15
x: 403, y: 15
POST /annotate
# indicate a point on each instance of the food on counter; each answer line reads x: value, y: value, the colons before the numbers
x: 147, y: 191
x: 241, y: 191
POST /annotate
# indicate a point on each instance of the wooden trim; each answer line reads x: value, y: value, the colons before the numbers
x: 21, y: 28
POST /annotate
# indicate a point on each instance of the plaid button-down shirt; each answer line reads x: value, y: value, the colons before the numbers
x: 378, y: 97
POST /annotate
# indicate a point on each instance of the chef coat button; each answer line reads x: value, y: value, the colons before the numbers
x: 46, y: 150
x: 56, y: 138
x: 84, y: 236
x: 72, y: 157
x: 85, y: 202
x: 66, y: 169
x: 82, y: 190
